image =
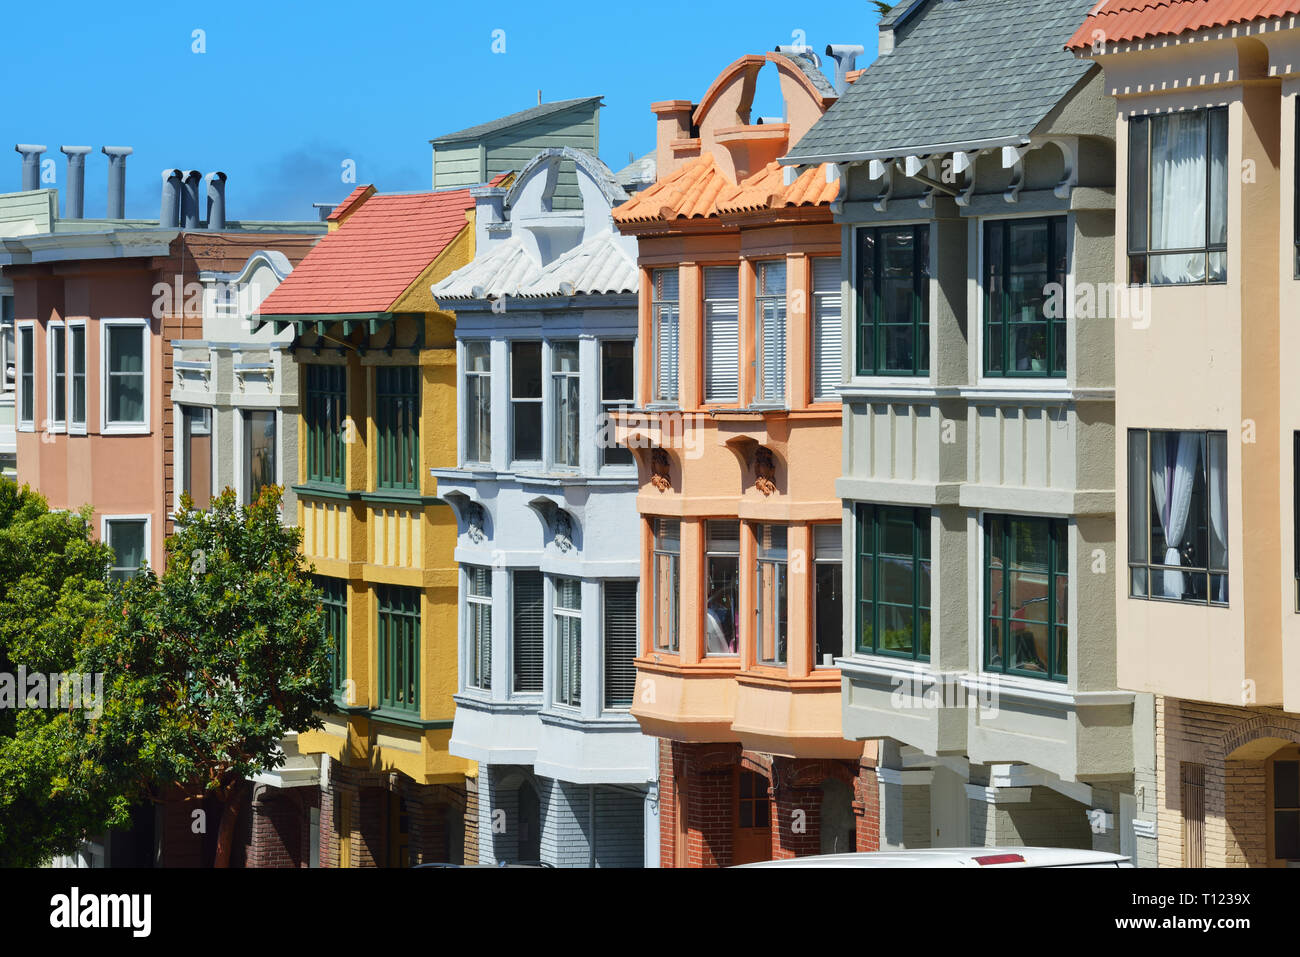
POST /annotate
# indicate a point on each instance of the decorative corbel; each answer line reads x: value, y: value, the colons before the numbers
x: 838, y: 173
x: 883, y: 170
x: 964, y: 162
x: 1069, y: 147
x: 1013, y: 158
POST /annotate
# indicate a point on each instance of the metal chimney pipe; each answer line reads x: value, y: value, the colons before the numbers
x: 116, y: 179
x: 190, y: 199
x: 76, y: 201
x: 846, y: 59
x: 169, y: 215
x: 31, y: 164
x: 216, y: 200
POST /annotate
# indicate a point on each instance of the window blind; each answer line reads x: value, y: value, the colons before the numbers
x: 826, y: 543
x: 722, y: 333
x: 666, y: 333
x: 620, y: 643
x: 770, y: 305
x: 529, y: 631
x: 828, y: 328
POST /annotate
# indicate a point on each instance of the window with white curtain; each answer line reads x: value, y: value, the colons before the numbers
x: 1178, y: 197
x: 828, y: 328
x: 568, y: 641
x: 769, y: 318
x: 478, y: 402
x: 565, y: 414
x: 1178, y: 515
x: 664, y: 312
x: 478, y: 627
x: 721, y: 334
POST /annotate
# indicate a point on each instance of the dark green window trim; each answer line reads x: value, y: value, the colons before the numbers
x: 399, y: 648
x: 1009, y: 555
x: 1019, y: 347
x: 879, y: 341
x: 879, y: 570
x: 324, y: 412
x: 397, y: 427
x: 335, y: 623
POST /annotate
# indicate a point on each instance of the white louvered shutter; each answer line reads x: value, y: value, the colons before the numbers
x: 828, y: 328
x: 528, y: 630
x: 620, y: 643
x: 722, y: 333
x: 771, y: 321
x: 666, y: 334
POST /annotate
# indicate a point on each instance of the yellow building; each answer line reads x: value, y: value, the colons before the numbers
x: 376, y: 365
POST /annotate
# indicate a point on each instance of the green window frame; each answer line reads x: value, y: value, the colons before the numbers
x: 1023, y: 557
x: 893, y: 582
x: 334, y: 604
x: 399, y: 647
x: 397, y: 427
x: 893, y: 301
x: 324, y: 414
x: 1025, y: 269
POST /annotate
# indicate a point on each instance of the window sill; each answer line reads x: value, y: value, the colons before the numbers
x: 397, y: 497
x: 333, y: 492
x: 124, y: 430
x: 406, y: 719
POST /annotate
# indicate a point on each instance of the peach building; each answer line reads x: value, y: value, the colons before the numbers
x: 1207, y: 412
x: 737, y: 437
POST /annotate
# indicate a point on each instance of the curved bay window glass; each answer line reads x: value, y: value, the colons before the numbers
x: 1025, y: 267
x: 893, y: 334
x: 1178, y: 198
x: 1026, y: 596
x: 722, y: 616
x: 893, y: 582
x: 1178, y: 516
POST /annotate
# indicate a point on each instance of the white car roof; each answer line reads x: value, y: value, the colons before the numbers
x: 960, y: 857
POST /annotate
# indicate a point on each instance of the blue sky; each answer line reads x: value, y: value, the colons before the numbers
x: 286, y: 92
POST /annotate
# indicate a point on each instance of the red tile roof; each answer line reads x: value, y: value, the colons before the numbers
x: 1119, y: 21
x: 368, y: 262
x: 700, y: 189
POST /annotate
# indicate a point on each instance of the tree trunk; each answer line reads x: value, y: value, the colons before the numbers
x: 229, y: 817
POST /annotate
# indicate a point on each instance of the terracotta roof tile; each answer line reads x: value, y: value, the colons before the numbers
x: 1120, y: 21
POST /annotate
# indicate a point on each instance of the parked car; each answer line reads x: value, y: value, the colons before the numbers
x: 960, y: 857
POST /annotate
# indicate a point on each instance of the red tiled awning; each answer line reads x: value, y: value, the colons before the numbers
x: 1120, y: 21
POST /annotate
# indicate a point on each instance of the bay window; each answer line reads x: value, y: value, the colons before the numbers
x: 397, y: 427
x: 828, y: 596
x: 26, y: 375
x: 665, y: 318
x: 568, y: 642
x: 1178, y: 515
x: 1024, y: 328
x: 722, y: 560
x: 324, y: 408
x: 617, y: 390
x: 528, y: 626
x: 126, y: 381
x: 526, y: 401
x: 893, y: 576
x: 893, y: 290
x: 334, y: 604
x: 56, y: 347
x: 399, y: 647
x: 828, y: 328
x: 566, y: 411
x: 667, y: 582
x: 772, y: 591
x: 619, y: 622
x: 769, y: 329
x: 196, y: 454
x: 259, y: 452
x: 1026, y: 596
x: 721, y: 334
x: 1178, y: 197
x: 478, y: 627
x: 478, y: 402
x: 77, y: 340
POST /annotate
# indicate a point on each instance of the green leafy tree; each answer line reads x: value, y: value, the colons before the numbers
x: 212, y: 662
x: 881, y: 6
x: 53, y: 588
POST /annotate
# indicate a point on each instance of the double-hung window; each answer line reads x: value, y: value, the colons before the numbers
x: 773, y: 602
x: 77, y: 375
x: 1025, y: 266
x: 478, y: 627
x: 397, y: 424
x: 667, y: 582
x: 566, y: 386
x: 196, y: 454
x: 619, y: 623
x: 665, y: 319
x: 828, y: 328
x: 828, y: 595
x: 893, y: 334
x: 526, y: 401
x: 129, y: 540
x: 769, y: 330
x: 334, y: 605
x: 56, y: 348
x: 721, y: 334
x: 1026, y: 596
x: 568, y: 642
x: 399, y: 647
x: 126, y: 381
x: 27, y: 375
x: 893, y: 581
x: 528, y: 631
x: 1178, y: 515
x: 1178, y: 197
x: 722, y: 558
x: 617, y: 366
x: 324, y: 407
x: 7, y: 371
x: 478, y: 402
x: 259, y: 452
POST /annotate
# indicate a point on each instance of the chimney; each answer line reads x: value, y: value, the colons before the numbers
x: 489, y: 208
x: 190, y: 199
x: 217, y: 200
x: 796, y: 49
x: 31, y: 165
x: 673, y: 124
x: 169, y: 215
x: 75, y: 207
x: 845, y: 56
x: 116, y: 180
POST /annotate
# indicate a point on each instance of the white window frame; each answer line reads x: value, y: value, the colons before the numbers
x: 26, y: 418
x: 75, y: 427
x: 463, y: 420
x: 571, y: 615
x: 106, y: 520
x: 241, y: 438
x: 471, y: 601
x: 818, y: 345
x: 610, y: 406
x: 182, y: 452
x: 541, y: 403
x: 107, y: 427
x: 551, y: 426
x: 760, y: 384
x: 604, y: 648
x: 51, y: 424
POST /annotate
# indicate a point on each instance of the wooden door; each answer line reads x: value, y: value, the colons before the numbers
x: 752, y: 834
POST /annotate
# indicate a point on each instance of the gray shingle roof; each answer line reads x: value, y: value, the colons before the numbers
x: 808, y: 65
x: 962, y: 72
x: 514, y: 119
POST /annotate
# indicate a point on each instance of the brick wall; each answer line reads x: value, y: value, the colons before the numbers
x: 866, y: 807
x: 277, y: 829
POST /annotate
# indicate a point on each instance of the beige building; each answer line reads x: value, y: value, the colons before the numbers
x: 1207, y: 417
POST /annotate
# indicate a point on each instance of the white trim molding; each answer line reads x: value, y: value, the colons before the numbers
x: 107, y: 427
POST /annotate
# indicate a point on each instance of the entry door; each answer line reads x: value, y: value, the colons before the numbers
x: 1284, y: 808
x: 753, y: 823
